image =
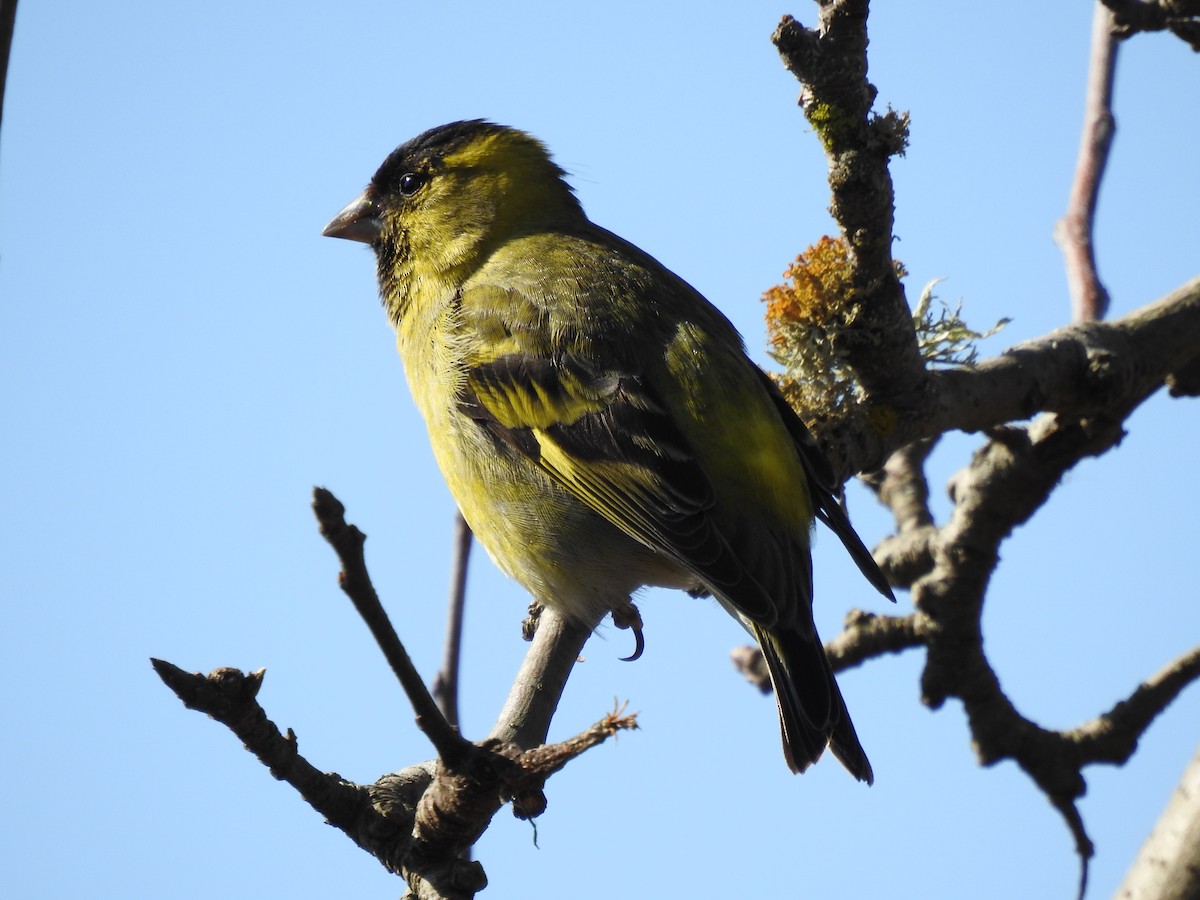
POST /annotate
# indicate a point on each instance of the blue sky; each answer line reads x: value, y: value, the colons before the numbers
x: 182, y: 357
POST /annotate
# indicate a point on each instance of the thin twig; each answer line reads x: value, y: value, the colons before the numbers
x: 347, y: 541
x: 1075, y: 230
x: 231, y: 697
x: 1113, y: 736
x: 445, y: 685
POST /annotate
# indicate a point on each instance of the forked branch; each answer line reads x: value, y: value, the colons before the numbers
x: 417, y: 822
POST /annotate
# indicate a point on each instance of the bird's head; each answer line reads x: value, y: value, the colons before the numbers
x: 442, y: 201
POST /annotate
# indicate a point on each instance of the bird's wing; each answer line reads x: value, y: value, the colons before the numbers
x: 823, y: 490
x: 607, y: 438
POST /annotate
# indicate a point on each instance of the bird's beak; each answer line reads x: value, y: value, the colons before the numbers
x: 359, y: 221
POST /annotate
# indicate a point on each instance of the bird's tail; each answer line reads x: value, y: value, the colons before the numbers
x: 812, y: 713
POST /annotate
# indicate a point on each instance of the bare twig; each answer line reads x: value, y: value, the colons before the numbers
x: 417, y: 821
x: 445, y: 684
x: 1075, y: 230
x: 420, y: 821
x: 231, y: 697
x: 1113, y: 736
x: 347, y: 541
x: 867, y: 636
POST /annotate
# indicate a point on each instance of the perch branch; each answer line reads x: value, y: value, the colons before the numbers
x: 556, y: 645
x: 415, y: 822
x: 420, y: 821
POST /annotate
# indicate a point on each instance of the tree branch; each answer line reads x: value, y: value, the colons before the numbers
x: 1009, y: 478
x: 347, y: 541
x: 836, y: 98
x: 1079, y: 370
x: 1180, y: 17
x: 557, y: 643
x: 864, y: 636
x: 902, y: 487
x: 1074, y: 231
x: 1071, y: 371
x: 1168, y: 866
x: 867, y: 636
x: 1113, y: 736
x: 418, y: 822
x: 445, y: 683
x: 230, y: 697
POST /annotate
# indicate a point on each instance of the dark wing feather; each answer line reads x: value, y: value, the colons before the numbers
x: 824, y: 492
x: 608, y: 440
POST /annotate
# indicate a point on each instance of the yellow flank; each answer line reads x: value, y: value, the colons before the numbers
x: 596, y: 419
x: 737, y: 432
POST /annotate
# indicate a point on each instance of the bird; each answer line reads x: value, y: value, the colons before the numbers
x: 597, y: 420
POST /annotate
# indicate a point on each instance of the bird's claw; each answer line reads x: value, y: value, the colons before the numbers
x: 629, y: 617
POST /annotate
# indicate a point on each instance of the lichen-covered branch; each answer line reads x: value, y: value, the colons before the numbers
x: 1076, y: 370
x: 836, y: 97
x: 1079, y: 370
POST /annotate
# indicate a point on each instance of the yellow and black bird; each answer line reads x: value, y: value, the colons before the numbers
x: 597, y: 420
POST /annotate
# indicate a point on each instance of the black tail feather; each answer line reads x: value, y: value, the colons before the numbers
x: 812, y: 713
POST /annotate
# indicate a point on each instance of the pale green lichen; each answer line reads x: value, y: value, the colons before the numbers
x: 946, y: 340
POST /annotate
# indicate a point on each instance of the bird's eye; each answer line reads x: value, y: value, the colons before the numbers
x: 410, y: 183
